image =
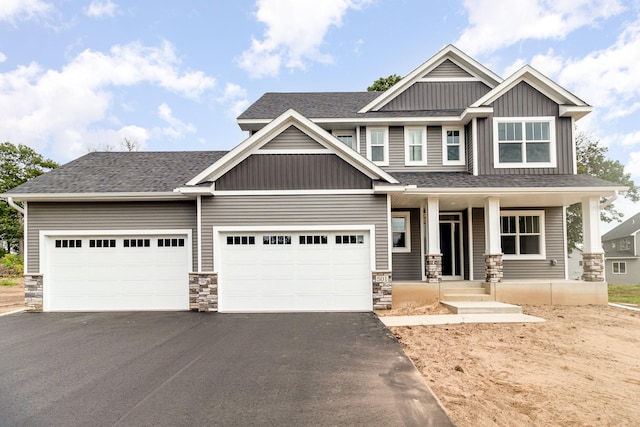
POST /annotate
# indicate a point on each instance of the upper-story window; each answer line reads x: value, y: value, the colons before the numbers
x: 378, y: 145
x: 347, y: 138
x: 415, y: 145
x: 453, y: 146
x: 524, y: 142
x: 625, y: 244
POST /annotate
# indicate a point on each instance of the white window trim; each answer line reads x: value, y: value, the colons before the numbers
x: 407, y: 151
x: 385, y: 162
x: 446, y: 161
x: 543, y: 247
x: 407, y: 231
x: 552, y: 144
x: 350, y: 133
x: 619, y: 264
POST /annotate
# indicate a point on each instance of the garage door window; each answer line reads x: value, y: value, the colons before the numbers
x: 350, y: 239
x: 66, y: 243
x: 276, y: 240
x: 102, y: 243
x: 170, y: 243
x: 137, y: 243
x: 313, y: 240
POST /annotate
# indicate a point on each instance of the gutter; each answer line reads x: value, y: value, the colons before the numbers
x: 610, y: 200
x: 14, y: 205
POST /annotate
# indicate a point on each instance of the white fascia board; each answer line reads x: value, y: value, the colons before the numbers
x: 194, y: 190
x: 536, y: 79
x: 45, y: 197
x: 575, y: 111
x: 448, y: 52
x: 514, y: 190
x: 279, y: 124
x: 384, y: 189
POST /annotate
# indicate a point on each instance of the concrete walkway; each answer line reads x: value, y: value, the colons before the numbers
x: 452, y: 319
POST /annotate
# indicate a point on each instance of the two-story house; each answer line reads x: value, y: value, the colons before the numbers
x: 452, y: 178
x: 622, y: 257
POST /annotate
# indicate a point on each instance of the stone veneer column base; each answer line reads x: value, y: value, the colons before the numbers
x: 33, y: 292
x: 433, y: 268
x: 381, y: 282
x: 494, y: 272
x: 203, y: 292
x: 593, y: 267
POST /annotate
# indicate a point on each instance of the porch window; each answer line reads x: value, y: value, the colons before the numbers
x: 453, y: 146
x: 522, y: 234
x: 415, y: 145
x: 619, y: 267
x: 524, y: 142
x: 378, y: 146
x: 400, y: 228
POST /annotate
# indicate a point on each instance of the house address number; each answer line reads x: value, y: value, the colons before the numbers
x: 382, y: 278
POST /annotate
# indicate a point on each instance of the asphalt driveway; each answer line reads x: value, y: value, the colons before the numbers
x: 176, y: 369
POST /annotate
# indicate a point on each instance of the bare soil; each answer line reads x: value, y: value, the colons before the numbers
x: 579, y: 368
x: 12, y: 297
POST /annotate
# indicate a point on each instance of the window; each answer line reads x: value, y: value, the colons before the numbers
x: 625, y: 244
x: 347, y: 138
x: 313, y: 240
x: 400, y: 229
x: 378, y: 145
x: 169, y: 243
x: 415, y: 145
x: 524, y: 142
x: 619, y: 267
x: 350, y: 239
x: 276, y: 240
x: 137, y: 243
x: 68, y: 243
x: 522, y: 234
x: 453, y: 146
x: 102, y: 243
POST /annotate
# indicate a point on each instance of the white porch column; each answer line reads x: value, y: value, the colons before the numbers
x: 493, y: 246
x: 433, y: 262
x: 592, y: 252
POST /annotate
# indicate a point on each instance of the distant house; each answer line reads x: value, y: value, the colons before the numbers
x: 575, y: 268
x: 622, y: 256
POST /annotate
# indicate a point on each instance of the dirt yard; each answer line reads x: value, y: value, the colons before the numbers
x: 580, y: 368
x: 12, y: 297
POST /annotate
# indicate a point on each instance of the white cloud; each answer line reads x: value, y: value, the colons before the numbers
x: 177, y: 128
x: 3, y: 57
x: 235, y: 97
x: 495, y: 24
x: 11, y: 10
x: 56, y: 108
x: 101, y: 9
x: 295, y: 31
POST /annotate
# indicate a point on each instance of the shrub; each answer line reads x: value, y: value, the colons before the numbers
x: 11, y: 265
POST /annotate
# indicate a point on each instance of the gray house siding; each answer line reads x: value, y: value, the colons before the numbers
x: 295, y: 210
x: 525, y: 101
x: 437, y: 96
x: 293, y: 172
x: 408, y: 265
x: 292, y: 138
x: 632, y: 277
x: 106, y: 216
x: 448, y: 68
x: 525, y: 269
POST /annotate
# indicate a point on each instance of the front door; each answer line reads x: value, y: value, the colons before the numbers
x: 451, y: 246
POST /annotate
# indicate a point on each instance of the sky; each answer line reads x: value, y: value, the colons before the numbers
x: 82, y: 75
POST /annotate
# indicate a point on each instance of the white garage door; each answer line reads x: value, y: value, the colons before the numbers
x: 295, y: 271
x: 130, y: 272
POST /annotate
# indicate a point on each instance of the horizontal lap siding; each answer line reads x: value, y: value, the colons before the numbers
x: 408, y: 265
x: 293, y: 172
x: 292, y: 138
x: 525, y: 101
x: 437, y: 96
x: 295, y: 210
x: 525, y: 269
x: 106, y: 216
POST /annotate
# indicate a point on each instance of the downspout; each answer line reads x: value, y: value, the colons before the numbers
x: 610, y: 200
x: 14, y: 205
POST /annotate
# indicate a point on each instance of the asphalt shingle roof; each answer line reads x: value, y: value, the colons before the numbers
x: 466, y: 180
x: 122, y: 172
x: 625, y: 229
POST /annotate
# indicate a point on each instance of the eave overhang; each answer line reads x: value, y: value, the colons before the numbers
x: 94, y: 197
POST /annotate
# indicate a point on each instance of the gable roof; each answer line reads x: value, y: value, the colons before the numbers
x: 274, y: 128
x: 118, y: 173
x: 448, y: 53
x: 626, y: 229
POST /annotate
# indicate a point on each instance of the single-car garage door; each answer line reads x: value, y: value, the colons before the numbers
x: 294, y: 271
x: 122, y: 272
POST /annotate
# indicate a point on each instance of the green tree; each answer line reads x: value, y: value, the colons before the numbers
x: 384, y: 83
x: 18, y: 164
x: 592, y: 160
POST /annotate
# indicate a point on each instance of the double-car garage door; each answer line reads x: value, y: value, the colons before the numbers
x: 270, y: 270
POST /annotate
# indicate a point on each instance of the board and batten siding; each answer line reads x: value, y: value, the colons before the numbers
x: 408, y: 265
x: 525, y: 269
x: 437, y: 96
x: 525, y: 101
x: 448, y: 69
x: 293, y: 172
x: 106, y: 216
x: 295, y: 210
x: 292, y: 138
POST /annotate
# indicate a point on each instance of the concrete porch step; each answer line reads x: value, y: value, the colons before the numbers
x: 461, y: 284
x: 470, y: 291
x: 467, y: 297
x: 481, y: 307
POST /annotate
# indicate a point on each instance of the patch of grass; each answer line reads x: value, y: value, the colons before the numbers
x: 629, y: 294
x: 8, y: 282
